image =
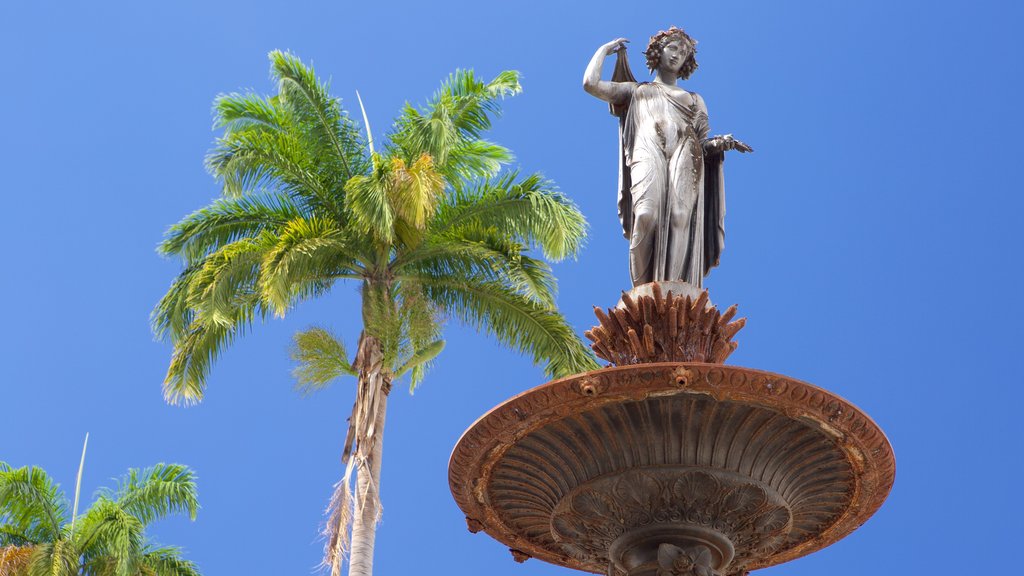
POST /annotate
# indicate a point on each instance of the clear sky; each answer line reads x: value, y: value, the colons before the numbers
x: 873, y: 242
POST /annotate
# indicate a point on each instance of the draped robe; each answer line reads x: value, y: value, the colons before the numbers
x: 671, y: 194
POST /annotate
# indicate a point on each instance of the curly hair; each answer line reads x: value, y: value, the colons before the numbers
x: 657, y: 46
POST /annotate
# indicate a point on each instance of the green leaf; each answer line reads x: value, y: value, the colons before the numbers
x: 514, y: 320
x: 325, y: 125
x: 366, y: 198
x: 227, y: 220
x: 56, y: 558
x: 240, y: 112
x: 321, y: 358
x: 529, y: 210
x: 421, y: 357
x: 166, y: 561
x: 157, y: 492
x: 31, y: 504
x: 201, y: 344
x: 304, y: 251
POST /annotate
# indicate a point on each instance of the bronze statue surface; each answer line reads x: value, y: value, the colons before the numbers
x: 671, y: 192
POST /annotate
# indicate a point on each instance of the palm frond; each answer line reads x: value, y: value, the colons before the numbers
x: 253, y: 161
x: 474, y: 159
x: 225, y: 278
x: 109, y: 530
x: 529, y: 210
x: 227, y: 220
x: 336, y: 528
x: 514, y: 320
x: 481, y: 252
x: 532, y: 277
x: 475, y: 102
x: 166, y: 561
x: 416, y: 190
x: 321, y: 117
x: 456, y: 115
x: 421, y: 324
x: 14, y: 559
x: 240, y: 112
x: 201, y: 344
x: 321, y: 358
x: 430, y: 132
x: 304, y: 251
x: 31, y: 503
x: 157, y: 492
x: 367, y: 200
x: 172, y: 316
x: 57, y: 558
x: 420, y: 357
x: 13, y: 536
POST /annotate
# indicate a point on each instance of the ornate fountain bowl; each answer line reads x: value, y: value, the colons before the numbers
x: 671, y: 468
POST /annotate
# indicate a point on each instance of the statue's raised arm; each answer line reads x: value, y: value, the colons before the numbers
x: 671, y: 193
x: 616, y: 91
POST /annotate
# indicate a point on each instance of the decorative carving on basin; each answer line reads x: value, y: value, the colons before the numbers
x: 756, y: 468
x: 686, y: 561
x: 744, y: 518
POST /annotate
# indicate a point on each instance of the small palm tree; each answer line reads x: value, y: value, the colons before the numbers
x: 37, y: 537
x: 429, y: 227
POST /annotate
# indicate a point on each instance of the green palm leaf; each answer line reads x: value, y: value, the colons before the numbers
x: 420, y: 357
x: 321, y: 359
x: 225, y: 279
x: 320, y: 116
x: 368, y: 203
x: 173, y: 315
x: 240, y: 112
x: 253, y: 160
x: 32, y: 506
x: 195, y: 352
x: 108, y: 530
x: 226, y: 220
x: 56, y: 558
x: 514, y: 320
x: 305, y: 251
x: 157, y: 492
x: 529, y: 210
x: 166, y: 561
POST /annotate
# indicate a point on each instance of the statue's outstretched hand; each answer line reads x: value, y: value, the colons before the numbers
x: 614, y: 46
x: 725, y: 143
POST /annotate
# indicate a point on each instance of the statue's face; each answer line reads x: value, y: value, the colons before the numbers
x: 674, y: 55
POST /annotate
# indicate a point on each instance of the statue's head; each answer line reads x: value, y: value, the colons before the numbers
x: 679, y: 45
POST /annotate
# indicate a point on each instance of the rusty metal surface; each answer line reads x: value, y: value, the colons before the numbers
x: 790, y: 468
x: 664, y: 322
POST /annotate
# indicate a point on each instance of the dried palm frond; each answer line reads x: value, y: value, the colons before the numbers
x: 14, y: 560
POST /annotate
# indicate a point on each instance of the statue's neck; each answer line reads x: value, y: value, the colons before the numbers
x: 666, y: 77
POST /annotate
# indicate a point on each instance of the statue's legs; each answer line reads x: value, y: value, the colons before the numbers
x: 647, y: 244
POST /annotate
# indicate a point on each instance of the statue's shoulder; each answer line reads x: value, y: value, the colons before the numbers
x: 698, y: 101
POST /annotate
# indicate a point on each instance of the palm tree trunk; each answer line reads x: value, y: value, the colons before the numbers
x: 367, y: 496
x: 367, y: 501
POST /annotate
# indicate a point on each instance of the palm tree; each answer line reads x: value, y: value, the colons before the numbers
x: 430, y: 227
x: 37, y: 538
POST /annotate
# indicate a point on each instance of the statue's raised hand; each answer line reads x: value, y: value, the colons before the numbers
x: 614, y: 46
x: 724, y: 143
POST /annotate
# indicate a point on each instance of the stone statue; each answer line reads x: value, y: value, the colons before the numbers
x: 671, y: 191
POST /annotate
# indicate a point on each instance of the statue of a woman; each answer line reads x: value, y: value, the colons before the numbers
x: 671, y: 193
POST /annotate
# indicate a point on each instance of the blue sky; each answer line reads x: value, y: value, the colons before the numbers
x: 872, y: 242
